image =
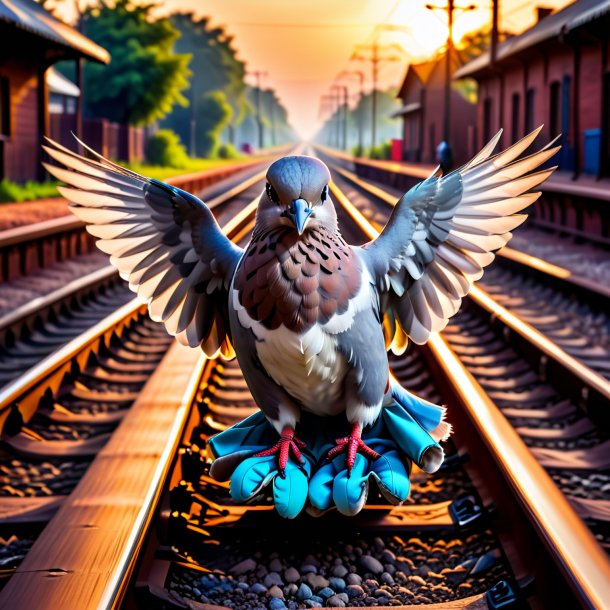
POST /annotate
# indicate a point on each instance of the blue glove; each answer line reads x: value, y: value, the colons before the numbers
x: 333, y: 485
x: 234, y: 451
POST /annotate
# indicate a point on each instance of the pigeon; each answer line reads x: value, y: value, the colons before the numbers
x: 309, y: 317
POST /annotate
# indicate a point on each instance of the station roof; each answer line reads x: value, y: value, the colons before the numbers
x: 29, y: 16
x: 573, y: 16
x: 61, y: 85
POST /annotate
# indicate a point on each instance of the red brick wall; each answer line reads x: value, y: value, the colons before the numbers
x: 21, y: 150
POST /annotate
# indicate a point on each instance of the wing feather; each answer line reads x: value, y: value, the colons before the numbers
x: 444, y: 232
x: 163, y: 241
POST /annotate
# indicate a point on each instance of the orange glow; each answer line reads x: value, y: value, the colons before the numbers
x: 303, y: 46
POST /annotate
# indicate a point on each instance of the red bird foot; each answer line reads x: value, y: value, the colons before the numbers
x: 353, y: 444
x: 288, y: 442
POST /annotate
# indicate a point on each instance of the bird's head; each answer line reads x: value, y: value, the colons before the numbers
x: 296, y: 195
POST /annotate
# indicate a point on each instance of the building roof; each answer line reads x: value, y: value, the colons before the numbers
x: 406, y: 109
x: 573, y: 16
x: 29, y: 16
x: 59, y: 84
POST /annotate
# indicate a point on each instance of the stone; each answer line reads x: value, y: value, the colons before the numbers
x: 343, y: 596
x: 340, y: 571
x: 275, y: 591
x: 247, y: 565
x: 276, y: 604
x: 387, y: 556
x: 290, y: 590
x: 257, y: 588
x: 355, y: 591
x: 273, y: 578
x: 354, y: 579
x: 387, y: 579
x: 337, y: 584
x: 291, y: 575
x: 275, y: 565
x: 370, y: 564
x: 304, y: 592
x: 326, y: 592
x: 315, y: 581
x: 308, y: 568
x: 311, y: 603
x: 335, y: 602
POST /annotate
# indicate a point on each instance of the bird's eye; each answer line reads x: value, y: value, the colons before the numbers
x: 272, y: 194
x: 324, y: 194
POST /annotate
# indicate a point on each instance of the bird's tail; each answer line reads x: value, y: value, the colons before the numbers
x: 430, y: 417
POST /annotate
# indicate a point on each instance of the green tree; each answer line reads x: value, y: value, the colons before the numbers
x: 145, y: 77
x: 213, y: 115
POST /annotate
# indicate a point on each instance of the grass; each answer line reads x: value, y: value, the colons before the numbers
x: 30, y: 191
x: 163, y: 173
x: 11, y: 191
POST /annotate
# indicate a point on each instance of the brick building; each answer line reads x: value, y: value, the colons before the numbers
x: 423, y: 97
x: 556, y: 73
x: 32, y: 41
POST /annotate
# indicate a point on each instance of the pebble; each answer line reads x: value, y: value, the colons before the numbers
x: 275, y: 591
x: 354, y: 579
x: 326, y: 592
x: 308, y: 568
x: 197, y: 592
x: 355, y: 591
x: 304, y: 592
x: 310, y: 603
x: 340, y: 571
x: 338, y: 584
x: 388, y: 557
x: 291, y: 575
x: 275, y: 565
x: 247, y: 565
x: 387, y: 579
x: 335, y: 602
x: 276, y: 604
x: 370, y: 564
x: 315, y: 581
x: 273, y: 578
x: 290, y: 590
x: 257, y: 588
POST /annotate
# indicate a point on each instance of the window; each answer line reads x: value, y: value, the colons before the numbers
x: 5, y: 108
x: 487, y: 108
x: 530, y: 99
x: 554, y: 109
x: 514, y: 126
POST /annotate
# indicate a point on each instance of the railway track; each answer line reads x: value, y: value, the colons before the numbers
x: 526, y: 373
x: 63, y: 411
x: 490, y: 530
x: 62, y: 300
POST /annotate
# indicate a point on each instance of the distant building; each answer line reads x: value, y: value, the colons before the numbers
x: 32, y: 41
x: 556, y: 73
x: 423, y: 103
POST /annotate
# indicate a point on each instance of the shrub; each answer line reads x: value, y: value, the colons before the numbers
x: 165, y: 149
x: 227, y: 151
x: 358, y: 151
x: 11, y: 191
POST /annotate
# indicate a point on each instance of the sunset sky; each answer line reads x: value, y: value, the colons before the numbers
x: 304, y: 45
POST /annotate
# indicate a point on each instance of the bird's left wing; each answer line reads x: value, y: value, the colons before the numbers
x: 164, y: 241
x: 444, y: 231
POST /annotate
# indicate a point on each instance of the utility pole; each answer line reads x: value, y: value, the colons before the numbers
x: 329, y: 101
x: 495, y: 9
x: 360, y: 75
x: 375, y: 58
x: 450, y: 9
x: 342, y: 114
x: 259, y: 117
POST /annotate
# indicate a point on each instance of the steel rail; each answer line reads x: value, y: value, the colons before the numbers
x: 109, y: 592
x: 584, y: 563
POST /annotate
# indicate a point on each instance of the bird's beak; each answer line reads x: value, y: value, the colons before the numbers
x: 299, y: 211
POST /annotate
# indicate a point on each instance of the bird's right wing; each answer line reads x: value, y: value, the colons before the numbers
x: 444, y: 231
x: 164, y: 241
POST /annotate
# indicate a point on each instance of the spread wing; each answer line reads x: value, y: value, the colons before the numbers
x: 444, y: 231
x: 163, y: 240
